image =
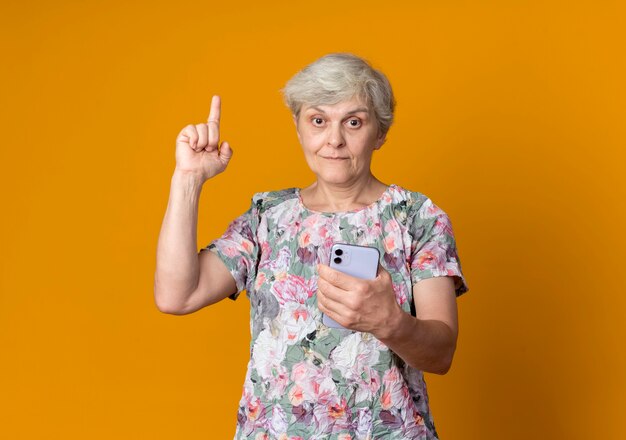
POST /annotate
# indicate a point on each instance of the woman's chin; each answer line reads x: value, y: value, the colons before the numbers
x: 335, y: 177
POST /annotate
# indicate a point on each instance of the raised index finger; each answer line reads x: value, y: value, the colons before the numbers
x: 213, y: 124
x: 214, y: 114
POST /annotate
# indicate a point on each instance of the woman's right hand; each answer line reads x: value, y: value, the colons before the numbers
x: 197, y: 147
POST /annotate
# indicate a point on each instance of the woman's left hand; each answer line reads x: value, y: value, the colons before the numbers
x: 357, y: 304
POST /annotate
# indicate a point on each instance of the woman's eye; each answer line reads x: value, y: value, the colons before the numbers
x: 354, y: 123
x: 317, y: 121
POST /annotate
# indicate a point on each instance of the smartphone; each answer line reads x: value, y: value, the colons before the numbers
x: 356, y: 261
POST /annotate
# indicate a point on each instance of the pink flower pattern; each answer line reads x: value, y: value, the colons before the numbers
x: 308, y: 381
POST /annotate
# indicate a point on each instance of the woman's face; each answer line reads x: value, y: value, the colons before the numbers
x: 338, y: 140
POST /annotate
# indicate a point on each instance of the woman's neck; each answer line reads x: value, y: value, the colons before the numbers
x: 331, y: 197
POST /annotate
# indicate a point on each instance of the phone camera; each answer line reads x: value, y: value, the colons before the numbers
x: 338, y: 252
x: 337, y: 260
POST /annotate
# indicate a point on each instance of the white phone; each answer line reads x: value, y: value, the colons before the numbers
x: 356, y: 261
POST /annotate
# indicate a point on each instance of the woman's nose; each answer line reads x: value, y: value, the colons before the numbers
x: 335, y: 136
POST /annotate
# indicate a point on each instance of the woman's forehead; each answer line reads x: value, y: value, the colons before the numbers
x: 353, y: 105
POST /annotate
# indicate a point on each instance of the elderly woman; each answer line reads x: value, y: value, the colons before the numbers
x: 306, y: 380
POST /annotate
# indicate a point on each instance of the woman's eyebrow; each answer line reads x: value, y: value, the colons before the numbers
x: 351, y: 112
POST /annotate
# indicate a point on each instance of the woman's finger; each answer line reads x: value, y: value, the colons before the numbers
x: 335, y: 310
x: 214, y: 113
x: 225, y: 152
x: 213, y: 123
x: 203, y: 136
x: 337, y: 278
x: 332, y: 292
x: 192, y: 135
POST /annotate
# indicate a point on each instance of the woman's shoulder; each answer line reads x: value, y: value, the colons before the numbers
x: 262, y: 201
x: 413, y: 206
x: 405, y: 198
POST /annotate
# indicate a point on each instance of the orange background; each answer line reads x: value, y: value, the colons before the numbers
x: 510, y: 117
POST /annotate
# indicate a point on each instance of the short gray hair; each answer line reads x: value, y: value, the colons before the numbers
x: 338, y: 77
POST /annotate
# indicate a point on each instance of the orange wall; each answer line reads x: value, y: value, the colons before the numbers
x: 510, y: 117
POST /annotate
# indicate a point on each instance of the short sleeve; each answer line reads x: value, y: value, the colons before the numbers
x: 238, y: 249
x: 433, y: 249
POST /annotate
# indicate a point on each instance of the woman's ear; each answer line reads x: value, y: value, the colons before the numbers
x: 295, y: 122
x: 380, y: 141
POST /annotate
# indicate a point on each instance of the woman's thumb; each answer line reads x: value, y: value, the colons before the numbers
x: 225, y: 152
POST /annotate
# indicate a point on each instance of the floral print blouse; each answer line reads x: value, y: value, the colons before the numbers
x: 308, y: 381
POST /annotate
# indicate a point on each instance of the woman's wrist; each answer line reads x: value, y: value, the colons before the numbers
x: 189, y: 179
x: 185, y: 187
x: 396, y: 325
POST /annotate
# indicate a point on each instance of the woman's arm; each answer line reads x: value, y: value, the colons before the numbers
x: 185, y: 281
x: 426, y: 342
